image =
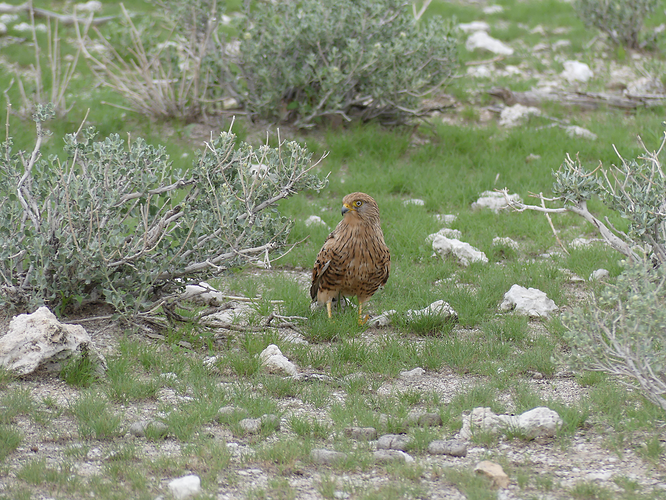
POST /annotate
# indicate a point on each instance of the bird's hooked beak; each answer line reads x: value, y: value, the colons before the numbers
x: 346, y: 208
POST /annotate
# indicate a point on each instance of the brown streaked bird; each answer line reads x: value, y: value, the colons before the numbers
x: 354, y: 259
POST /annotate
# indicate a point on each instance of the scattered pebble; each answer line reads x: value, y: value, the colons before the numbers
x: 328, y: 457
x: 185, y: 487
x: 452, y: 447
x: 387, y: 456
x: 361, y: 433
x: 494, y: 472
x: 393, y: 442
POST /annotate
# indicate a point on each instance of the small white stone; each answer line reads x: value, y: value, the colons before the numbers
x: 8, y: 18
x: 445, y: 218
x: 414, y: 201
x: 446, y: 232
x: 437, y: 308
x: 599, y: 274
x: 560, y: 44
x: 474, y: 26
x: 185, y: 487
x: 538, y: 30
x: 505, y: 242
x: 493, y: 9
x: 3, y: 29
x: 464, y: 252
x: 39, y: 341
x: 275, y: 362
x: 494, y: 200
x: 482, y: 40
x: 314, y: 220
x: 230, y: 103
x: 480, y: 71
x: 414, y: 374
x: 528, y: 301
x: 576, y: 71
x: 383, y: 320
x: 24, y: 27
x: 91, y: 6
x: 511, y: 116
x: 576, y: 131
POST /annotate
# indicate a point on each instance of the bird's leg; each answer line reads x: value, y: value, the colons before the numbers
x: 361, y: 319
x: 328, y: 308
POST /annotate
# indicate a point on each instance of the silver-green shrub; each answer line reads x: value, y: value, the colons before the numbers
x: 113, y: 220
x: 353, y: 58
x: 623, y: 332
x: 183, y: 73
x: 621, y: 20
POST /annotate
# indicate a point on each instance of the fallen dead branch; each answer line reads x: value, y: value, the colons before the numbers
x: 583, y: 100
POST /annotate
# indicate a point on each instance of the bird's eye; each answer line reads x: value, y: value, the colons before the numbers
x: 358, y: 203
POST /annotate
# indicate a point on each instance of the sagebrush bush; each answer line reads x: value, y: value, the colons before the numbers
x: 623, y: 332
x: 621, y: 20
x: 183, y: 75
x: 113, y: 221
x: 369, y: 59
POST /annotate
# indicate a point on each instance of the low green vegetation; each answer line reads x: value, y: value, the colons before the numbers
x: 197, y: 384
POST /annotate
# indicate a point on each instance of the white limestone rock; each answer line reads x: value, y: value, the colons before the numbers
x: 275, y: 362
x: 413, y: 374
x: 315, y: 220
x: 494, y: 473
x: 528, y: 301
x: 493, y: 9
x: 537, y: 422
x: 464, y: 252
x: 8, y: 18
x: 505, y: 242
x: 27, y: 27
x: 599, y: 274
x: 3, y: 29
x: 387, y: 456
x: 482, y: 40
x: 91, y: 6
x: 512, y: 116
x: 185, y: 487
x: 494, y: 200
x: 328, y: 457
x: 445, y: 218
x: 394, y: 442
x: 480, y: 71
x: 203, y: 293
x: 446, y: 232
x: 414, y: 201
x: 38, y: 341
x: 560, y: 44
x: 576, y: 131
x: 576, y: 71
x: 474, y: 26
x: 437, y: 308
x: 383, y: 320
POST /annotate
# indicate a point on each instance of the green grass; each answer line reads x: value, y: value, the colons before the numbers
x: 10, y: 439
x: 95, y: 417
x: 447, y: 166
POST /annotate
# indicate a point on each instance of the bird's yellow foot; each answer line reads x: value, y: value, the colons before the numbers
x: 362, y: 320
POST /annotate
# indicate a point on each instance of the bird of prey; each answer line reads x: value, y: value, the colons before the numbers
x: 354, y: 259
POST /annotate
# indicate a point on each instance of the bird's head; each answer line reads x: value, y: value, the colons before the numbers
x: 360, y: 206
